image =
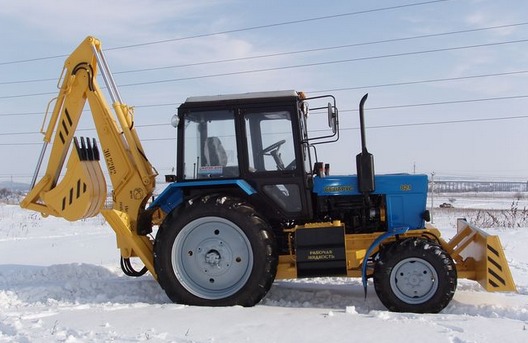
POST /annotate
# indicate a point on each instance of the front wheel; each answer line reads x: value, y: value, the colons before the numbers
x: 218, y: 252
x: 415, y: 275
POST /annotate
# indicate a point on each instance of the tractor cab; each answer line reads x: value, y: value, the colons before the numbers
x: 258, y: 145
x: 260, y: 138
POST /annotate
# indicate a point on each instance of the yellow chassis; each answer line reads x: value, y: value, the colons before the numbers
x: 478, y: 256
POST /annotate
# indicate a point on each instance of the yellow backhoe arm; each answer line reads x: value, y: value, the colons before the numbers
x: 82, y: 191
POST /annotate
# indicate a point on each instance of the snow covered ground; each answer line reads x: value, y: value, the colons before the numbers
x: 61, y: 282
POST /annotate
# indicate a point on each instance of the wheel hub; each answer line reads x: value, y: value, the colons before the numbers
x: 212, y: 258
x: 414, y: 280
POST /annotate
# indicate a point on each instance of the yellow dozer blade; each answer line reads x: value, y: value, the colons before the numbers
x: 479, y: 256
x: 82, y: 191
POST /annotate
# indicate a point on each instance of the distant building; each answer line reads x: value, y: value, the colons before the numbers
x: 478, y: 186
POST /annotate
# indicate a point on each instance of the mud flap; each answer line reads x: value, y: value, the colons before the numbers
x: 479, y: 256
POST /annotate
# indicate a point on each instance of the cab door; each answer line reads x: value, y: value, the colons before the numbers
x: 273, y: 160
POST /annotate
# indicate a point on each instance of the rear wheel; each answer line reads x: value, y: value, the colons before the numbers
x: 415, y: 275
x: 218, y: 252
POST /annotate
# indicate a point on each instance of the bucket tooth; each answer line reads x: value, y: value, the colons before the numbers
x: 95, y: 151
x: 81, y: 149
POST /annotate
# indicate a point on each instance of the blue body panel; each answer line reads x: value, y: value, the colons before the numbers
x: 172, y: 196
x: 406, y: 195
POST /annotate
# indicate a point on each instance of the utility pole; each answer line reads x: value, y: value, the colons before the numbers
x: 432, y: 196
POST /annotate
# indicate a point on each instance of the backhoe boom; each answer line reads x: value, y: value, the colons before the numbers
x: 81, y: 192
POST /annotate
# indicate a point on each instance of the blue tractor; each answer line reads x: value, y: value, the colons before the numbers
x: 251, y: 202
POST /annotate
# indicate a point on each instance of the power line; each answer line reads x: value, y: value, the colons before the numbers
x: 19, y: 114
x: 407, y: 83
x: 258, y: 27
x: 392, y: 40
x: 357, y: 59
x: 460, y: 121
x: 451, y: 102
x: 77, y: 130
x: 26, y: 95
x: 287, y: 53
x: 27, y: 81
x: 19, y: 144
x: 300, y: 21
x: 445, y: 122
x: 516, y: 72
x: 18, y: 133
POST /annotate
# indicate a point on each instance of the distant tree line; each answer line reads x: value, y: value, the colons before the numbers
x: 9, y: 196
x: 478, y: 186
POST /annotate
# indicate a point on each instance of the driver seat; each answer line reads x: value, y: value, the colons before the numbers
x: 214, y: 152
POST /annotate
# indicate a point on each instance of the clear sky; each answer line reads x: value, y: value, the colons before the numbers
x: 447, y: 80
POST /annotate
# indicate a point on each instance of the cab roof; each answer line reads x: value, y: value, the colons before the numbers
x: 243, y: 96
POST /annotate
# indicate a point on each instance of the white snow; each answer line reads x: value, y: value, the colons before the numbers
x: 61, y: 282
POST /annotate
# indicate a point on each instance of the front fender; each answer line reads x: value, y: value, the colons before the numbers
x: 374, y: 245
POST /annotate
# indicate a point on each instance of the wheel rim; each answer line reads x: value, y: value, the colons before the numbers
x: 212, y: 258
x: 414, y: 280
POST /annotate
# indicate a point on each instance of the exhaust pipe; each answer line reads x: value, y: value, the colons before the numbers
x: 364, y: 160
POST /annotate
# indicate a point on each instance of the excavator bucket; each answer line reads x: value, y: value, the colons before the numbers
x: 479, y: 256
x: 82, y: 191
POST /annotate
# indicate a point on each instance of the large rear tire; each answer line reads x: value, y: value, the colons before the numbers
x: 415, y: 275
x: 216, y: 252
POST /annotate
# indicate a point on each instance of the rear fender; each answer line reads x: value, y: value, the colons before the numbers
x: 173, y: 197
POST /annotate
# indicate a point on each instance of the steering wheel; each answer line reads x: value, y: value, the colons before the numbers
x: 273, y: 151
x: 273, y: 147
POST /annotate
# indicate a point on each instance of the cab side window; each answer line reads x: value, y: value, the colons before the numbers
x: 210, y: 145
x: 270, y: 141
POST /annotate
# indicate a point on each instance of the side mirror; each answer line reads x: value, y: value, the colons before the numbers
x: 332, y: 117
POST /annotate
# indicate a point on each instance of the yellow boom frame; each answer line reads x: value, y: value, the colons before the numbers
x: 81, y: 192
